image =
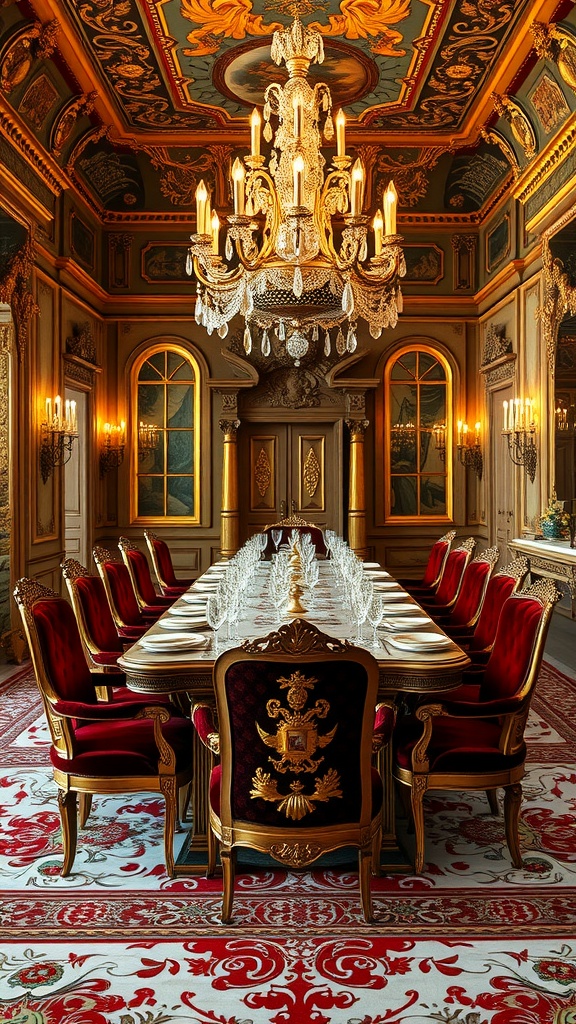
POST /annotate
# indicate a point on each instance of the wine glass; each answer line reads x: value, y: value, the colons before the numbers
x: 276, y: 537
x: 216, y: 611
x: 375, y: 616
x: 361, y: 594
x: 262, y: 541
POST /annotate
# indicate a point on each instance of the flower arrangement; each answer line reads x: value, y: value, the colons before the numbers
x: 555, y: 522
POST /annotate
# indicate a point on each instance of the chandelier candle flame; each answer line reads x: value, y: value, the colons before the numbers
x: 284, y: 270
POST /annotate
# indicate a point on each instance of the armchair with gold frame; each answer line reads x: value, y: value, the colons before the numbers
x: 295, y: 780
x: 445, y: 597
x: 120, y: 595
x: 428, y: 584
x: 171, y: 585
x: 287, y: 525
x: 98, y: 748
x: 473, y: 739
x: 136, y: 562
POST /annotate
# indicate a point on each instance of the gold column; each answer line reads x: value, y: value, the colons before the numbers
x: 229, y: 514
x: 357, y: 488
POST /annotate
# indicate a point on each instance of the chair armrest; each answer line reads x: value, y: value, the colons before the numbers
x: 463, y: 709
x: 203, y: 721
x: 384, y: 722
x: 102, y: 712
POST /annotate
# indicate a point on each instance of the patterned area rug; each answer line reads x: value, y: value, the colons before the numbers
x: 471, y: 941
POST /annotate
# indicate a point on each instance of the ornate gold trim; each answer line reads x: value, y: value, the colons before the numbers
x: 547, y: 162
x: 296, y: 638
x: 559, y: 298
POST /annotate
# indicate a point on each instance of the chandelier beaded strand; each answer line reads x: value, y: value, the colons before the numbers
x: 284, y: 270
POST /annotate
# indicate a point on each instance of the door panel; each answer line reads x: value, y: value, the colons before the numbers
x: 289, y: 467
x: 503, y: 507
x: 75, y: 486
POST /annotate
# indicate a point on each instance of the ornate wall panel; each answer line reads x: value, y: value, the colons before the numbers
x: 263, y: 473
x: 45, y: 382
x: 311, y: 473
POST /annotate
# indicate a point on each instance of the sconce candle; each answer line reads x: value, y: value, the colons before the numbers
x: 255, y: 122
x: 340, y: 128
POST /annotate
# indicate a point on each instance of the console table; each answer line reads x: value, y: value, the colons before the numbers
x: 553, y: 559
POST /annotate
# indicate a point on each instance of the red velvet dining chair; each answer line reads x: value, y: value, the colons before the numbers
x: 98, y: 748
x: 478, y: 639
x: 468, y: 605
x: 120, y: 594
x: 100, y: 639
x: 296, y: 714
x: 171, y: 585
x: 430, y: 581
x: 446, y: 596
x: 287, y: 526
x: 136, y: 562
x: 473, y: 738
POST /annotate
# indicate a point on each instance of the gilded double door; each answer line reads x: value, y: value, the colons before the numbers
x: 290, y: 467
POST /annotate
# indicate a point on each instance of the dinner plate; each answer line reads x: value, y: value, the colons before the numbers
x: 217, y: 567
x: 197, y: 621
x: 419, y: 641
x: 188, y: 610
x: 401, y: 609
x: 205, y: 587
x: 372, y: 565
x: 406, y: 621
x: 193, y: 599
x: 377, y: 574
x: 178, y: 642
x: 390, y: 585
x: 389, y: 596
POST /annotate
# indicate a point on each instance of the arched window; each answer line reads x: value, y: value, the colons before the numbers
x: 165, y: 408
x: 418, y: 397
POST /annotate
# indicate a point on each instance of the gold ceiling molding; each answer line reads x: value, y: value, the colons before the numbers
x: 15, y: 292
x: 494, y: 138
x: 32, y: 152
x: 547, y: 161
x: 32, y: 43
x: 555, y: 44
x: 519, y: 122
x: 559, y: 299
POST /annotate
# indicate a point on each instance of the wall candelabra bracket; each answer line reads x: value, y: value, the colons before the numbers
x: 522, y: 449
x: 439, y: 430
x: 470, y: 456
x: 519, y: 429
x: 58, y: 431
x: 112, y: 448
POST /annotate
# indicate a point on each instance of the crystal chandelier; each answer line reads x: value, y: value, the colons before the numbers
x: 285, y: 271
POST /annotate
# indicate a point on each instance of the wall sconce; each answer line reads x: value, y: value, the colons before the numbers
x: 57, y: 435
x: 112, y: 447
x: 470, y: 452
x: 403, y: 440
x: 519, y: 429
x: 564, y: 418
x: 440, y: 440
x: 148, y: 438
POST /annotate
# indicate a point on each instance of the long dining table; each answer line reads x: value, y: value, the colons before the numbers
x: 405, y: 667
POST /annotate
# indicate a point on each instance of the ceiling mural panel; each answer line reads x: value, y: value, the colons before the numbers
x: 139, y: 100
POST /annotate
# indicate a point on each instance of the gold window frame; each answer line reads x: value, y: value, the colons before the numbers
x: 418, y: 519
x: 166, y: 347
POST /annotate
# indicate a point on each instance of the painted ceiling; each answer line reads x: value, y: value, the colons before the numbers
x: 168, y: 85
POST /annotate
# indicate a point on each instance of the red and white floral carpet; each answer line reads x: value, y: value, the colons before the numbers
x: 472, y: 941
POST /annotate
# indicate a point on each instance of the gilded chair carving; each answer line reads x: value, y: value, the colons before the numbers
x: 171, y: 585
x: 473, y: 738
x: 294, y: 779
x: 125, y: 746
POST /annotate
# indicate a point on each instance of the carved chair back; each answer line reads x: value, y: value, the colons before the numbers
x: 468, y: 604
x: 451, y: 581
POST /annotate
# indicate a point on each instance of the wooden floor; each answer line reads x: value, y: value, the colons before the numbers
x: 561, y: 644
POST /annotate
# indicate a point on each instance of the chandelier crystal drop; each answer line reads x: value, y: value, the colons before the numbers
x: 297, y: 244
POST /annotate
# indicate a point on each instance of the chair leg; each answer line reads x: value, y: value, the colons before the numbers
x: 84, y: 808
x: 67, y: 805
x: 376, y: 850
x: 228, y: 858
x: 512, y: 804
x: 184, y: 801
x: 492, y: 795
x: 417, y: 790
x: 365, y: 872
x: 212, y: 851
x: 170, y: 793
